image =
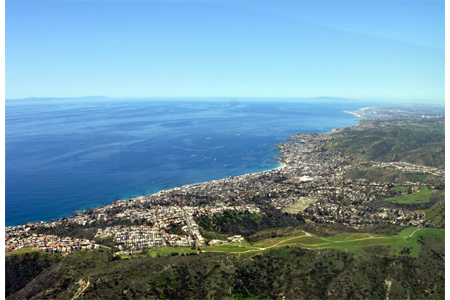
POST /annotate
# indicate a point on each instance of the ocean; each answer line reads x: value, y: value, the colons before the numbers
x: 67, y: 155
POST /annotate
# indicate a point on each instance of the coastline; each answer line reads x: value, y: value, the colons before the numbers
x: 336, y: 130
x: 280, y: 166
x: 353, y: 113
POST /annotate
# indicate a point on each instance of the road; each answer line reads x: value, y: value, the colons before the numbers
x: 190, y: 229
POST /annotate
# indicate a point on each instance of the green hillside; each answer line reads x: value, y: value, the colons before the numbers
x: 343, y: 266
x: 391, y: 175
x: 417, y: 143
x: 20, y: 269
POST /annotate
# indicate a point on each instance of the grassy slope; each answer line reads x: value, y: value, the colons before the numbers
x: 344, y: 270
x: 422, y: 144
x: 422, y: 196
x: 346, y: 241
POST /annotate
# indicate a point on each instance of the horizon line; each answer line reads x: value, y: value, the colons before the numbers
x: 230, y: 97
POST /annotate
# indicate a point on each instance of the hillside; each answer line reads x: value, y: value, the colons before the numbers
x: 20, y: 269
x: 413, y: 142
x: 347, y: 271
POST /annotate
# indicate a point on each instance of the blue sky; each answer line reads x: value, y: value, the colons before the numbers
x: 299, y: 49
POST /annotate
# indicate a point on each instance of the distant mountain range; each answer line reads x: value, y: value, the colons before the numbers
x: 56, y: 98
x: 321, y: 98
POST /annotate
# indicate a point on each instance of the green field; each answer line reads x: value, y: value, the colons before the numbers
x: 225, y: 249
x: 408, y: 238
x: 401, y: 189
x: 165, y: 251
x: 422, y: 196
x: 273, y: 241
x: 230, y: 248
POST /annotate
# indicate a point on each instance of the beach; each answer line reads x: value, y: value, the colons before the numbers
x: 353, y: 113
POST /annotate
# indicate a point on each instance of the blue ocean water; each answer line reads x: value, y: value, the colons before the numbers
x: 67, y: 155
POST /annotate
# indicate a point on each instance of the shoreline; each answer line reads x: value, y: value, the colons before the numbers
x: 336, y: 130
x: 191, y: 184
x: 353, y: 113
x: 281, y: 166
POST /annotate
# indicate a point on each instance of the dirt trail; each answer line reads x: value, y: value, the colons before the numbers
x: 411, y: 234
x: 370, y: 237
x: 296, y: 237
x: 167, y: 267
x: 81, y: 289
x: 357, y: 233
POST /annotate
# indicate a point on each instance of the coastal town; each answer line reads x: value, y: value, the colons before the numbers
x: 311, y: 182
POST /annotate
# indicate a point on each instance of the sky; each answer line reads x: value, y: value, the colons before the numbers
x: 290, y: 49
